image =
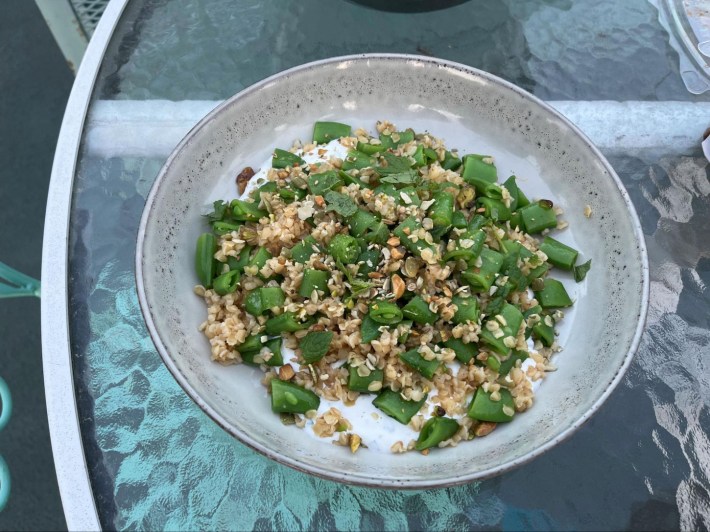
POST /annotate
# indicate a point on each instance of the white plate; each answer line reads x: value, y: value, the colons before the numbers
x: 471, y: 110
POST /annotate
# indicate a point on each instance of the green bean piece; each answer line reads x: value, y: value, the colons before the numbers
x: 289, y: 195
x: 303, y: 251
x: 274, y: 347
x: 222, y: 228
x: 238, y: 263
x: 418, y: 310
x: 536, y: 218
x: 436, y: 430
x: 464, y: 352
x: 369, y: 329
x: 205, y: 249
x: 252, y: 343
x: 450, y: 162
x: 385, y: 312
x: 269, y: 186
x: 313, y: 280
x: 510, y: 324
x: 405, y: 229
x: 286, y: 322
x: 290, y: 398
x: 483, y: 408
x: 227, y: 282
x: 580, y: 272
x: 458, y: 220
x: 508, y: 364
x: 466, y: 309
x: 315, y: 345
x: 495, y: 209
x: 321, y: 183
x: 543, y: 332
x: 419, y: 157
x: 361, y: 221
x: 356, y: 160
x: 361, y: 384
x: 285, y: 159
x: 370, y: 149
x: 477, y: 222
x: 259, y: 259
x: 431, y: 156
x: 475, y: 168
x: 253, y: 303
x: 484, y: 188
x: 442, y: 209
x: 324, y: 132
x: 517, y: 196
x: 481, y: 279
x: 516, y: 220
x: 493, y: 362
x: 348, y: 179
x: 408, y: 196
x: 392, y: 404
x: 553, y: 295
x: 468, y: 246
x: 407, y: 326
x: 344, y: 248
x: 416, y: 361
x: 272, y: 297
x: 559, y: 254
x: 246, y: 211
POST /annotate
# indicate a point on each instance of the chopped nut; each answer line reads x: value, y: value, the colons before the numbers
x: 397, y: 253
x: 243, y: 178
x: 355, y: 442
x: 484, y: 429
x: 319, y: 201
x: 398, y: 286
x: 588, y: 211
x: 286, y: 372
x: 374, y: 275
x: 393, y: 241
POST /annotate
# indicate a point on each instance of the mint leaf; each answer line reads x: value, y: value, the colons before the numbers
x: 340, y: 203
x: 358, y: 286
x: 395, y: 165
x: 580, y: 272
x: 315, y: 345
x: 405, y: 178
x: 218, y: 212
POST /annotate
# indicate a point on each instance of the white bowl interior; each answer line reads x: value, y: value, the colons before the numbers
x: 473, y: 112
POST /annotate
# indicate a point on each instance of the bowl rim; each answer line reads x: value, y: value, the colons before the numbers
x: 394, y: 483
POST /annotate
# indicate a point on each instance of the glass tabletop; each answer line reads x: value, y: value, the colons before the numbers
x: 156, y: 461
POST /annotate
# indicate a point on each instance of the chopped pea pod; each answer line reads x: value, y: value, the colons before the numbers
x: 392, y: 404
x: 436, y: 430
x: 385, y: 312
x: 291, y: 398
x: 313, y: 280
x: 418, y: 310
x: 204, y: 258
x: 483, y: 408
x: 559, y: 254
x: 324, y: 132
x: 416, y: 361
x: 553, y: 295
x: 285, y: 159
x: 369, y: 383
x: 344, y: 248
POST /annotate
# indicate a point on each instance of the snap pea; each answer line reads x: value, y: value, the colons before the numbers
x: 559, y: 254
x: 262, y: 299
x: 418, y: 310
x: 290, y: 398
x: 458, y: 220
x: 481, y: 279
x: 246, y: 211
x: 431, y: 156
x: 392, y: 404
x: 410, y: 193
x: 258, y: 259
x: 286, y: 322
x: 475, y: 168
x: 204, y: 258
x: 289, y: 195
x: 466, y: 309
x: 313, y: 280
x: 285, y: 159
x: 361, y: 221
x: 344, y: 248
x: 405, y: 229
x: 368, y: 148
x: 536, y: 218
x: 580, y: 272
x: 356, y: 160
x: 303, y: 251
x: 553, y: 295
x: 450, y: 162
x: 508, y: 364
x: 419, y: 157
x: 483, y: 408
x: 442, y: 209
x: 509, y: 325
x: 324, y: 132
x: 416, y: 361
x: 464, y: 352
x: 273, y: 346
x: 468, y: 247
x: 495, y: 209
x: 543, y: 332
x: 485, y: 188
x: 369, y: 329
x: 269, y: 186
x: 517, y: 196
x: 362, y: 384
x: 378, y: 234
x: 227, y: 282
x: 436, y: 430
x: 368, y: 261
x: 222, y: 228
x: 385, y: 312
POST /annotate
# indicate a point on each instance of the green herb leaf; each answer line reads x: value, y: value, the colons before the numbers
x: 315, y: 345
x: 219, y: 210
x: 340, y: 203
x: 405, y: 178
x: 358, y: 286
x: 395, y: 165
x: 580, y: 272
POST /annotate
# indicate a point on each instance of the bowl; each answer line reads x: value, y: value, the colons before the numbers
x: 471, y: 110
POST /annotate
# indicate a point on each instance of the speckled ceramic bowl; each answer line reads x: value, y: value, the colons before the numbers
x: 472, y: 111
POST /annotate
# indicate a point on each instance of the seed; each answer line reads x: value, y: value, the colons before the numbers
x: 355, y: 442
x: 375, y: 386
x: 398, y: 286
x: 319, y: 201
x: 393, y: 241
x: 484, y: 429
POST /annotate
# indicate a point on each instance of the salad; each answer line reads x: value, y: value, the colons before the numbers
x: 387, y: 270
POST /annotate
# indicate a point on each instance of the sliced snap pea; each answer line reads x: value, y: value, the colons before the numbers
x: 286, y: 322
x: 450, y: 162
x: 247, y: 211
x: 481, y: 279
x: 468, y: 247
x: 442, y: 209
x: 361, y: 221
x: 405, y: 229
x: 419, y: 157
x: 324, y: 132
x: 227, y: 282
x: 344, y: 248
x: 510, y: 324
x: 259, y: 258
x: 274, y: 347
x: 416, y: 361
x: 368, y: 261
x: 464, y: 352
x: 508, y: 364
x: 536, y: 218
x: 204, y: 258
x: 418, y: 310
x: 313, y: 280
x: 436, y: 430
x: 291, y: 398
x: 284, y: 159
x: 543, y: 332
x: 553, y: 295
x: 458, y: 220
x: 262, y: 299
x: 495, y: 209
x: 368, y: 148
x: 466, y: 309
x: 238, y: 263
x: 222, y: 228
x: 559, y: 254
x: 321, y: 183
x: 483, y: 408
x: 358, y: 383
x: 303, y: 251
x: 485, y: 188
x: 385, y: 312
x: 392, y: 404
x: 475, y: 168
x: 517, y: 196
x: 356, y: 160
